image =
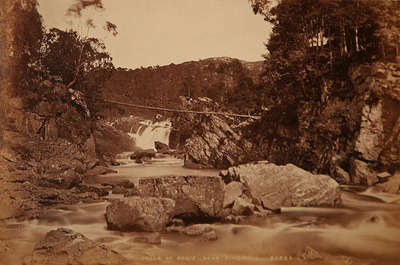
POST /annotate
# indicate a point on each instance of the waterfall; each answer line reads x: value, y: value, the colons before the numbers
x: 150, y: 132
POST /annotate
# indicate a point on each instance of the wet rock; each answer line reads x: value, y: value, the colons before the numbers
x: 177, y: 222
x: 210, y: 236
x: 161, y: 147
x: 139, y: 214
x: 64, y: 246
x: 383, y: 176
x: 115, y: 163
x: 124, y: 187
x: 242, y: 207
x: 197, y: 229
x: 342, y: 176
x: 203, y: 230
x: 232, y: 219
x: 275, y: 186
x: 195, y: 196
x: 119, y: 190
x: 93, y: 163
x: 64, y: 180
x: 153, y: 238
x: 100, y: 170
x: 232, y: 191
x: 143, y: 155
x: 362, y: 173
x: 99, y: 190
x: 392, y: 185
x: 175, y: 229
x: 310, y: 254
x: 261, y: 212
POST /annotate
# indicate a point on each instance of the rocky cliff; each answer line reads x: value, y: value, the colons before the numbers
x: 354, y: 137
x: 377, y: 144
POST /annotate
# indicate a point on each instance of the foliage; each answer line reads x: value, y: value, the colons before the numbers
x: 58, y: 74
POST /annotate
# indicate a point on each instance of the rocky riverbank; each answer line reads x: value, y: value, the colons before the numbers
x: 226, y: 215
x: 153, y: 203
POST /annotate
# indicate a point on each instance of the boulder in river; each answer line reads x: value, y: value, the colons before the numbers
x: 392, y: 185
x: 148, y: 214
x: 143, y: 155
x: 64, y: 246
x: 195, y: 196
x: 204, y: 230
x: 274, y: 186
x: 161, y: 147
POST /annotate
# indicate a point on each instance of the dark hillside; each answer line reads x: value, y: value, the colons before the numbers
x: 230, y: 82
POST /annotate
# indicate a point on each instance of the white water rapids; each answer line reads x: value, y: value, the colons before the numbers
x: 150, y: 132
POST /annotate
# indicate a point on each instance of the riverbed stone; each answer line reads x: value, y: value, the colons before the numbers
x: 392, y: 185
x: 62, y: 180
x: 362, y: 173
x: 64, y: 246
x: 195, y: 196
x: 140, y: 214
x: 232, y: 191
x: 152, y: 238
x: 242, y: 207
x: 342, y: 176
x: 274, y: 186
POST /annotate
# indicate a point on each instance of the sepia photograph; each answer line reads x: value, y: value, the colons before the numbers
x: 199, y: 132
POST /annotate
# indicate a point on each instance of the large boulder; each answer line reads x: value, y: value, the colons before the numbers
x: 275, y: 186
x: 148, y: 214
x: 195, y: 196
x: 64, y: 246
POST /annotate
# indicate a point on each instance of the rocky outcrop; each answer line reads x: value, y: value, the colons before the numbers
x: 377, y: 146
x: 209, y: 141
x: 194, y: 196
x: 64, y: 246
x: 216, y: 145
x: 272, y: 187
x: 140, y: 214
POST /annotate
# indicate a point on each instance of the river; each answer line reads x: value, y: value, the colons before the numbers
x: 365, y: 230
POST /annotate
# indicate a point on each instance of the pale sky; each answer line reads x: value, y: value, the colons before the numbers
x: 160, y: 32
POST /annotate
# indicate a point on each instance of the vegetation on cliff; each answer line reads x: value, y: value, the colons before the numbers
x: 315, y: 108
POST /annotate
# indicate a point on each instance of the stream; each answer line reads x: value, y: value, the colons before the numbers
x: 365, y: 230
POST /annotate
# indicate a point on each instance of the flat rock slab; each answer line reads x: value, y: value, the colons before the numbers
x: 148, y: 214
x: 194, y: 196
